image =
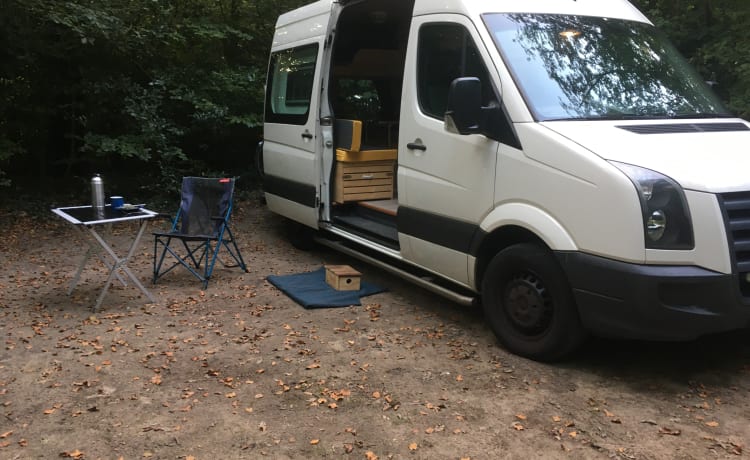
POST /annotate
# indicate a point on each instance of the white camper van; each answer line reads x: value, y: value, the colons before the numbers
x: 556, y: 159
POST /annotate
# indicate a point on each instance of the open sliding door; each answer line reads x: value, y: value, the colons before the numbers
x: 292, y: 146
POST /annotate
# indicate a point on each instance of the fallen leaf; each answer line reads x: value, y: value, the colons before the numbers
x: 315, y: 442
x: 413, y: 446
x: 712, y: 423
x: 573, y: 434
x: 369, y: 455
x: 517, y: 426
x: 156, y: 380
x: 520, y: 417
x: 669, y: 431
x: 6, y: 434
x: 556, y: 418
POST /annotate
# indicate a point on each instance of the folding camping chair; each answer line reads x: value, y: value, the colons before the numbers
x: 201, y: 226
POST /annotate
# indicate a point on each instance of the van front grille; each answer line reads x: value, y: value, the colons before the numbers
x: 736, y: 208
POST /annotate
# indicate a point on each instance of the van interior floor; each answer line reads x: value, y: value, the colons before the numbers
x: 371, y: 219
x: 389, y: 207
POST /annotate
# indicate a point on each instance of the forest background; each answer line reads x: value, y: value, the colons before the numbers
x: 147, y: 91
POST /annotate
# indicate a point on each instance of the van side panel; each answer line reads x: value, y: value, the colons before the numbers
x: 292, y: 147
x: 305, y: 23
x: 446, y: 181
x: 587, y: 196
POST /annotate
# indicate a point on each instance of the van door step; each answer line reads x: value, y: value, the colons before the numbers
x: 430, y: 283
x: 369, y: 227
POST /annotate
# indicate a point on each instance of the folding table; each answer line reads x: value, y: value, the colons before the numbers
x: 86, y: 220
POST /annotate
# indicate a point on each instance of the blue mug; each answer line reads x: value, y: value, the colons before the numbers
x: 116, y: 201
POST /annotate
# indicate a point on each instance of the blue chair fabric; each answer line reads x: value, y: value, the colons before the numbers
x: 200, y: 229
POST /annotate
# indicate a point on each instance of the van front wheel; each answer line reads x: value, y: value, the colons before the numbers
x: 529, y: 304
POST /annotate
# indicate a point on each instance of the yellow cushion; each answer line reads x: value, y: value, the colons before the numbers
x: 366, y: 155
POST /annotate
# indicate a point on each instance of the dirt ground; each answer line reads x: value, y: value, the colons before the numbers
x: 239, y: 371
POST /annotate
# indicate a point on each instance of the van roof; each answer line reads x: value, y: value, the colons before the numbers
x: 621, y: 9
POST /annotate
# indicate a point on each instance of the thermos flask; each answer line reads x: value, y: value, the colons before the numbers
x: 97, y: 193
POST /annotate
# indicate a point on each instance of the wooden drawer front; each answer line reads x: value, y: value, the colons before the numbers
x: 366, y: 180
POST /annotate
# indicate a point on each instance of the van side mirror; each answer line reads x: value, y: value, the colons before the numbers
x: 464, y: 109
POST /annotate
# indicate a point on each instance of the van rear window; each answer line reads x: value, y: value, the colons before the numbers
x: 290, y: 83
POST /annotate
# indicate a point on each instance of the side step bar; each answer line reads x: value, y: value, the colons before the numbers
x: 419, y: 281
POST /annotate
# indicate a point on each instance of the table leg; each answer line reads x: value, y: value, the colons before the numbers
x: 92, y: 249
x: 77, y: 276
x: 121, y: 263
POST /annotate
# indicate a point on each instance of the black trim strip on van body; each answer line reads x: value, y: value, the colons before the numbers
x: 440, y: 230
x: 304, y: 194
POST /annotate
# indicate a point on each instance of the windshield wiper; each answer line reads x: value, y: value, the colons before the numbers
x: 685, y: 116
x: 612, y: 117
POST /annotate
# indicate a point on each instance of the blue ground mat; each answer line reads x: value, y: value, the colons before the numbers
x: 311, y: 290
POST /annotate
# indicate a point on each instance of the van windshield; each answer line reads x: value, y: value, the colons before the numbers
x: 578, y: 67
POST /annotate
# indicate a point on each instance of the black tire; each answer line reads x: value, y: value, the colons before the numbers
x: 301, y: 236
x: 529, y: 304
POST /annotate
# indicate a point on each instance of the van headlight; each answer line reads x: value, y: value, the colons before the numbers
x: 666, y: 217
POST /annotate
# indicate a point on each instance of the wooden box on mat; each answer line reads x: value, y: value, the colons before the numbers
x: 343, y: 277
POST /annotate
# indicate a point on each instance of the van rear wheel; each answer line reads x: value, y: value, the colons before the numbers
x: 529, y: 304
x: 301, y: 236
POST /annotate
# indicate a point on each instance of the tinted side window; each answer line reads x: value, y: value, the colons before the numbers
x: 290, y: 85
x: 447, y: 52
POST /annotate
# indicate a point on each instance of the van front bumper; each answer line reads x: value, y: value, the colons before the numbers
x: 653, y: 302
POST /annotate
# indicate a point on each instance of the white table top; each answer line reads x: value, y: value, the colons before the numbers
x: 86, y: 215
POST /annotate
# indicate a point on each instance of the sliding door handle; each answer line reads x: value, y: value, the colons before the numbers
x: 418, y: 145
x: 307, y: 135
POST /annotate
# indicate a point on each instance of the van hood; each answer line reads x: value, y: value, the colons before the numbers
x: 711, y: 155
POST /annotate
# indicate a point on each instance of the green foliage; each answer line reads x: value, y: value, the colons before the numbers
x: 118, y: 86
x: 715, y: 36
